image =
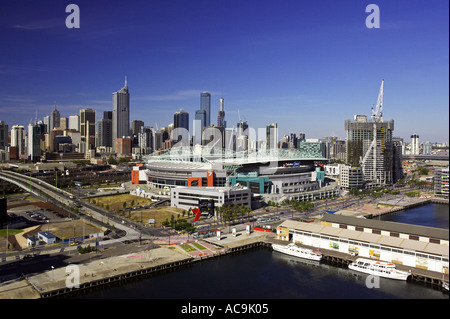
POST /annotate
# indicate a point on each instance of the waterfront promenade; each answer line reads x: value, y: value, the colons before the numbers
x: 122, y: 262
x: 387, y: 206
x: 137, y: 260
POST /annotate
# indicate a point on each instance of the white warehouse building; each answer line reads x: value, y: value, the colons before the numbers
x: 430, y: 254
x: 186, y: 197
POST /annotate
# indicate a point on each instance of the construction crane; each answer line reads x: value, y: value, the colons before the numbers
x: 371, y: 155
x: 379, y: 106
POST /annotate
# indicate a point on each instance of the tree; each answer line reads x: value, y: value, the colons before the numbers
x: 112, y: 160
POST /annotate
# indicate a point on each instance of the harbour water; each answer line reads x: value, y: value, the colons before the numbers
x: 261, y: 273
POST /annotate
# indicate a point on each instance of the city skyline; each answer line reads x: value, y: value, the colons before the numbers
x: 270, y: 62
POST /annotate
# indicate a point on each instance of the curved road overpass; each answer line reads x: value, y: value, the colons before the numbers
x: 59, y: 197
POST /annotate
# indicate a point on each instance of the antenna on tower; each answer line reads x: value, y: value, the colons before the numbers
x: 125, y: 80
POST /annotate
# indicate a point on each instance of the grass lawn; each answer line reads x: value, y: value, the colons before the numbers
x: 75, y: 228
x: 159, y: 214
x: 188, y: 247
x: 198, y: 246
x: 116, y: 201
x: 10, y: 232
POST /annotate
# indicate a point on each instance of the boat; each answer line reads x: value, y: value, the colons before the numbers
x: 378, y: 268
x: 293, y: 250
x: 445, y: 285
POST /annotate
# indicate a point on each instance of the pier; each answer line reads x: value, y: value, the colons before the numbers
x: 117, y: 269
x: 389, y: 206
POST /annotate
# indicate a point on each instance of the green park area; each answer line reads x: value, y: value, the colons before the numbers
x: 136, y: 208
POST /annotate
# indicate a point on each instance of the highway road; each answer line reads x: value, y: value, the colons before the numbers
x: 54, y: 195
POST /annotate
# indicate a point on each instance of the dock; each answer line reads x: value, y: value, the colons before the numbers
x: 389, y: 206
x: 138, y: 264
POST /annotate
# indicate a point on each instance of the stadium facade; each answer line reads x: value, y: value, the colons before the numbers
x: 287, y: 172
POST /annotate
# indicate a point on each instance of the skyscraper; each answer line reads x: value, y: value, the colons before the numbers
x: 136, y: 127
x: 54, y: 119
x: 35, y: 136
x: 205, y: 105
x: 74, y: 122
x: 414, y: 144
x: 3, y: 135
x: 18, y: 139
x: 181, y: 127
x: 105, y: 130
x: 199, y: 124
x: 87, y: 129
x: 369, y: 145
x: 121, y: 114
x: 272, y: 136
x: 221, y: 116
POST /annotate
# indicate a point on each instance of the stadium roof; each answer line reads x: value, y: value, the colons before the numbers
x: 214, y: 155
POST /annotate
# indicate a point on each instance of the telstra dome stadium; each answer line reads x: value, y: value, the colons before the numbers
x: 277, y: 171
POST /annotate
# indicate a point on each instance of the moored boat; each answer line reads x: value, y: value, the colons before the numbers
x: 378, y: 268
x: 293, y: 250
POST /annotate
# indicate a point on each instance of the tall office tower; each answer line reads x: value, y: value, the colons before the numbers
x: 157, y: 140
x: 121, y: 114
x: 205, y: 105
x: 221, y: 116
x: 181, y: 128
x: 54, y: 119
x: 414, y: 144
x: 64, y: 123
x: 198, y: 125
x: 36, y: 133
x: 427, y: 148
x: 397, y: 143
x: 145, y: 140
x: 87, y: 129
x: 301, y: 137
x: 18, y: 139
x: 104, y: 130
x: 272, y: 136
x: 136, y: 126
x: 369, y: 145
x: 3, y: 135
x: 242, y: 128
x: 47, y: 123
x: 74, y: 123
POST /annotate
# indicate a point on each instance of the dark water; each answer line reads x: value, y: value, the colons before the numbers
x: 432, y: 215
x: 264, y: 274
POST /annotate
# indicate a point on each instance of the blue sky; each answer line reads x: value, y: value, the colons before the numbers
x: 306, y: 65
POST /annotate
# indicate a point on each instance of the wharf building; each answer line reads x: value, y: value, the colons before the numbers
x: 405, y: 244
